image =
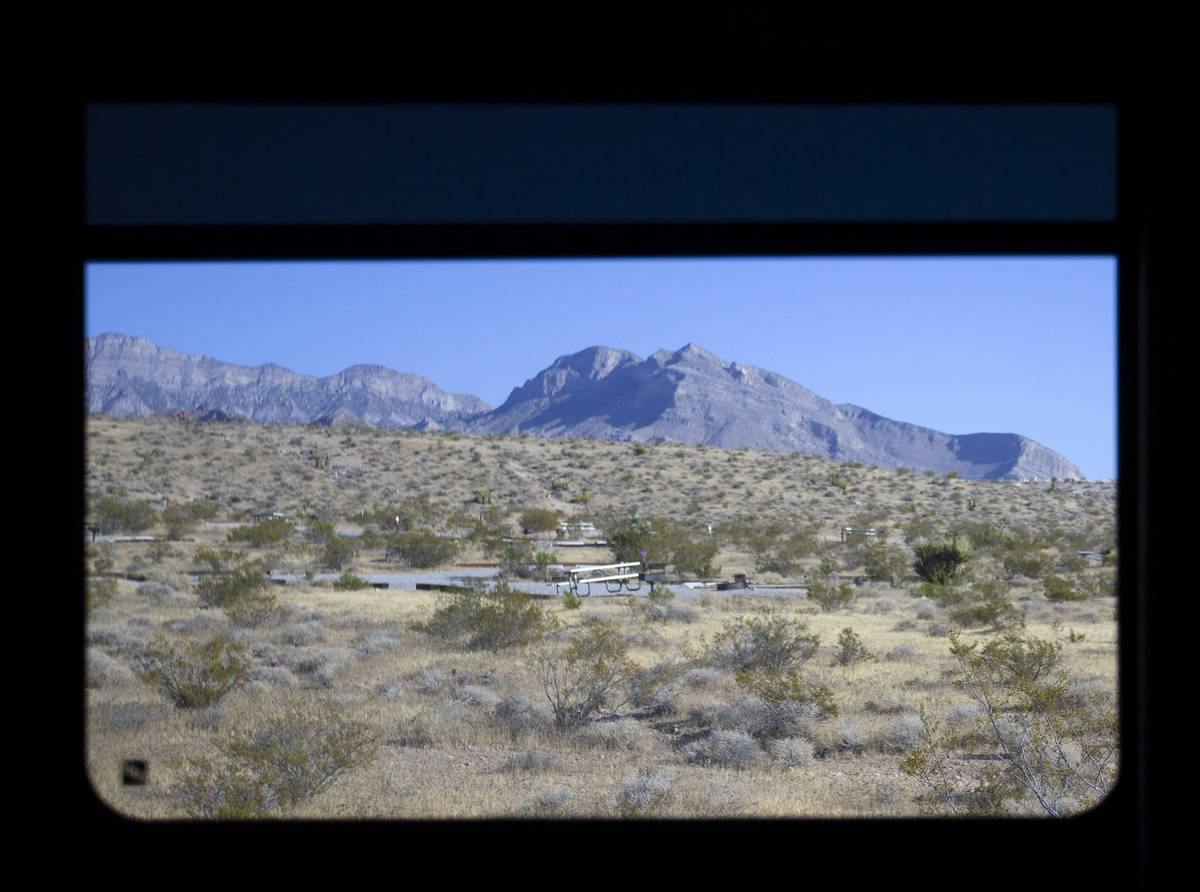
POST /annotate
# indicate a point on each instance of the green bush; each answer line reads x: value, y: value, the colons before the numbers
x: 767, y: 641
x: 1060, y: 752
x: 1018, y: 659
x: 538, y: 520
x: 791, y: 701
x: 348, y: 582
x: 587, y: 674
x: 180, y: 518
x: 1056, y: 588
x: 297, y: 754
x: 694, y: 558
x: 884, y: 564
x: 421, y: 549
x: 941, y: 562
x: 487, y: 617
x: 263, y: 534
x: 516, y: 559
x: 1022, y: 554
x: 781, y: 553
x: 115, y: 515
x: 198, y: 675
x: 831, y: 597
x: 851, y: 648
x: 225, y: 589
x: 986, y: 603
x: 241, y: 593
x: 629, y: 537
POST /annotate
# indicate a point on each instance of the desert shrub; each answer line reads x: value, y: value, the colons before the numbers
x: 986, y: 603
x: 100, y: 591
x: 263, y: 534
x: 538, y: 520
x: 941, y: 562
x: 487, y: 617
x: 274, y: 675
x: 778, y: 551
x: 1060, y: 754
x: 477, y: 695
x: 903, y: 651
x: 199, y: 674
x: 794, y: 752
x: 541, y: 564
x: 699, y: 677
x: 981, y: 534
x: 1016, y: 658
x: 224, y: 589
x: 726, y: 749
x: 767, y: 641
x: 182, y: 517
x: 550, y: 803
x: 516, y: 559
x: 586, y: 674
x: 851, y: 736
x: 123, y: 637
x: 1023, y: 555
x: 652, y: 691
x: 389, y: 690
x: 218, y: 560
x: 903, y: 732
x: 376, y: 643
x: 851, y: 648
x: 301, y: 634
x: 422, y: 549
x: 103, y: 670
x: 1056, y: 588
x: 324, y: 665
x: 629, y: 537
x: 123, y: 716
x: 831, y: 597
x: 690, y: 557
x: 295, y: 755
x: 530, y: 761
x: 433, y: 680
x: 520, y: 715
x: 927, y: 609
x: 116, y: 515
x: 241, y: 593
x: 622, y: 734
x: 883, y: 605
x: 348, y: 582
x: 337, y: 551
x: 153, y: 590
x: 254, y: 610
x: 791, y: 702
x: 883, y: 563
x: 646, y: 794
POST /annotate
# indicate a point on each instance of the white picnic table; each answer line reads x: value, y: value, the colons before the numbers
x: 625, y: 575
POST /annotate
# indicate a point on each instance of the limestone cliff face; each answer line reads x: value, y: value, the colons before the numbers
x: 133, y: 376
x: 693, y: 396
x: 688, y: 396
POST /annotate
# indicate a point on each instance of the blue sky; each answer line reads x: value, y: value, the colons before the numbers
x: 960, y: 345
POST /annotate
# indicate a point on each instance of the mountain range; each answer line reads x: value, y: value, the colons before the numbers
x: 688, y: 396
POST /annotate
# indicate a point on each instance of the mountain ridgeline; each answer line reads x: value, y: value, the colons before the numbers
x: 688, y: 396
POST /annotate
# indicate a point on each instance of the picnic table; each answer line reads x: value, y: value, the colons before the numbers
x: 625, y: 575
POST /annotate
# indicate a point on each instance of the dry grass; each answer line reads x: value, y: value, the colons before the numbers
x: 444, y: 751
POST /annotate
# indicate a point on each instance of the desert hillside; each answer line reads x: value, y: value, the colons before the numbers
x: 235, y: 639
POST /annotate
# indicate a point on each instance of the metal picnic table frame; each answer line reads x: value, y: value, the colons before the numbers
x: 614, y: 576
